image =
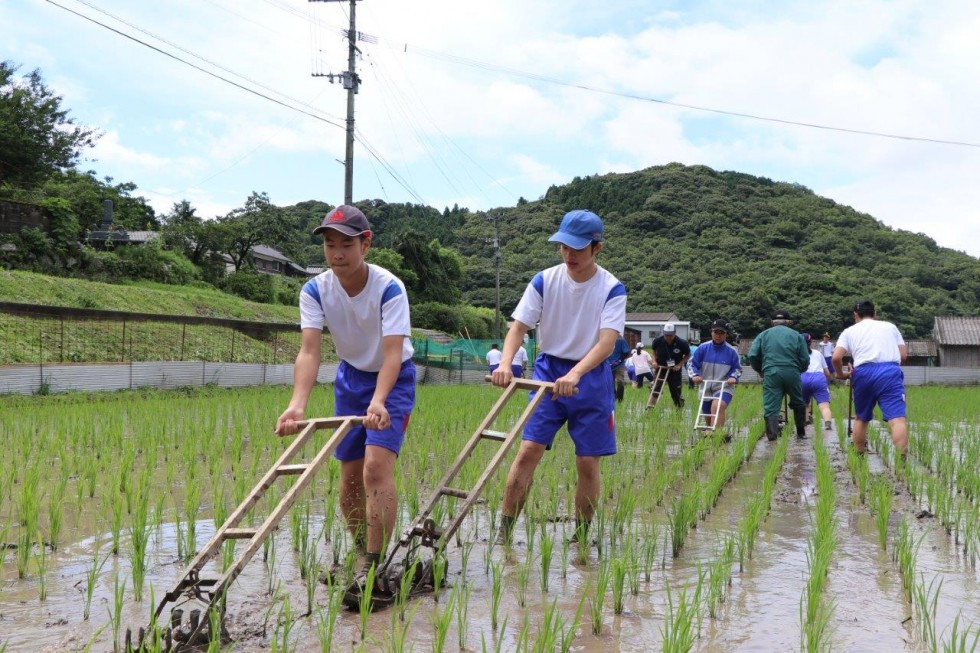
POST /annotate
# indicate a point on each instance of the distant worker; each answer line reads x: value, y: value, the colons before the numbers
x: 642, y: 366
x: 815, y: 386
x: 617, y: 363
x: 780, y: 354
x: 580, y: 310
x: 672, y: 352
x: 716, y: 360
x: 493, y: 357
x: 519, y: 366
x: 878, y: 350
x: 827, y: 351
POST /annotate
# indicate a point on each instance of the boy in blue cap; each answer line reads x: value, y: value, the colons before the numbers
x: 579, y: 310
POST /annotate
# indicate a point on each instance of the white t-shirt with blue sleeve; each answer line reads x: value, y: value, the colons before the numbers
x: 872, y: 341
x: 357, y: 324
x: 567, y: 314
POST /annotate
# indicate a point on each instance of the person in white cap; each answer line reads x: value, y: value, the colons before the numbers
x: 671, y: 352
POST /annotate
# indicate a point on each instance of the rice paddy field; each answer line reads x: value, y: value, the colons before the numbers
x: 699, y: 543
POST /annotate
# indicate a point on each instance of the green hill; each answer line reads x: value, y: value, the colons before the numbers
x: 138, y: 297
x: 705, y: 244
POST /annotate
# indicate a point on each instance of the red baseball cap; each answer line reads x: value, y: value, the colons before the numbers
x: 346, y: 219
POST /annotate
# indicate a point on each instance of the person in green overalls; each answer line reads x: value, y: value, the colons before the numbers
x: 780, y: 354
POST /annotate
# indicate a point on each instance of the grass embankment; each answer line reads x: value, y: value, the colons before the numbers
x: 139, y: 297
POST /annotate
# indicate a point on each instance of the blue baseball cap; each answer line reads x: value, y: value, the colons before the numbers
x: 578, y: 229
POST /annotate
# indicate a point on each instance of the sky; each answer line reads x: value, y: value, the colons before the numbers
x: 480, y: 104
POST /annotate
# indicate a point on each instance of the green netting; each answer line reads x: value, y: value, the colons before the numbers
x: 462, y: 353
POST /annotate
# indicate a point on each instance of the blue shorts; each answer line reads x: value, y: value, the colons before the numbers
x: 706, y: 405
x: 352, y: 393
x: 815, y: 387
x: 516, y: 371
x: 590, y: 414
x: 493, y: 367
x: 882, y: 384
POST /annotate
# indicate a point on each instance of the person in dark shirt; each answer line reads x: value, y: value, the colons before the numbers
x: 672, y: 352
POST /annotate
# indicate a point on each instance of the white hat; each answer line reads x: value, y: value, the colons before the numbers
x: 669, y: 328
x: 639, y: 345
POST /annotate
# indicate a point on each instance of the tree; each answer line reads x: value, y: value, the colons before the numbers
x: 37, y: 137
x: 259, y: 222
x: 438, y: 269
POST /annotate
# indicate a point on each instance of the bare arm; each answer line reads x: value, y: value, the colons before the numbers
x: 838, y: 360
x: 600, y: 351
x: 377, y: 417
x: 515, y: 337
x: 304, y: 378
x: 903, y: 353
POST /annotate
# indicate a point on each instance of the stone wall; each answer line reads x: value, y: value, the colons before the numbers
x: 16, y: 216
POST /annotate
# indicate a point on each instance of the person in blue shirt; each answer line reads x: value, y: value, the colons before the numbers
x: 617, y: 362
x: 716, y: 360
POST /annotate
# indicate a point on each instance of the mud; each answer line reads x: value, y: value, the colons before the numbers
x: 761, y: 613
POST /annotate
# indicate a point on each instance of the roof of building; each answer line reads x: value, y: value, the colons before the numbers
x: 270, y: 252
x: 652, y: 317
x: 122, y: 236
x: 957, y: 331
x: 314, y: 270
x: 921, y: 348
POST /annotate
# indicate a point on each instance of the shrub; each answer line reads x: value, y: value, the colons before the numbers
x: 454, y: 319
x: 251, y: 285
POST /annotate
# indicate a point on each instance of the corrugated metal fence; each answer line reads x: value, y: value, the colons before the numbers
x: 41, y: 379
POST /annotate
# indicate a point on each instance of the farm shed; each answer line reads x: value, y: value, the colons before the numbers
x: 957, y: 341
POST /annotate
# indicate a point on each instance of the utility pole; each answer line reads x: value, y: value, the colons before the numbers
x: 496, y: 260
x: 350, y: 82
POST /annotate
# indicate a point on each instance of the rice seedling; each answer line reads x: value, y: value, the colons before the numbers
x: 399, y: 631
x: 56, y: 502
x: 498, y: 638
x: 91, y: 577
x: 926, y: 602
x: 462, y: 601
x: 882, y: 493
x: 681, y: 622
x: 326, y: 619
x: 439, y: 565
x: 496, y: 592
x: 904, y: 554
x: 139, y: 537
x: 284, y: 626
x: 441, y: 620
x: 620, y: 568
x: 547, y: 550
x: 523, y: 573
x: 364, y: 606
x: 959, y: 640
x: 550, y: 630
x: 568, y: 634
x: 41, y: 561
x: 115, y: 612
x: 599, y: 597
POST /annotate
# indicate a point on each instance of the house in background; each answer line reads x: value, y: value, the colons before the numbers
x: 921, y: 353
x: 651, y: 325
x: 957, y: 341
x: 271, y: 261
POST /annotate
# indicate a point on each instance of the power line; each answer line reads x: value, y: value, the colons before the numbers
x: 242, y: 87
x: 475, y: 63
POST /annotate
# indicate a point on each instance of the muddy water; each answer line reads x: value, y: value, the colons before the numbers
x: 762, y: 612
